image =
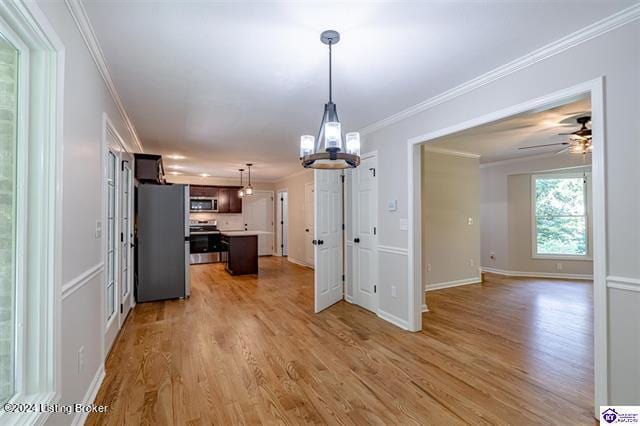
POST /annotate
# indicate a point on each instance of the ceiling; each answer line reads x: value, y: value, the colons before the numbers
x: 224, y: 83
x: 502, y: 139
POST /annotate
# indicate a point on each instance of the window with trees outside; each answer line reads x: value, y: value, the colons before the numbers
x: 561, y: 215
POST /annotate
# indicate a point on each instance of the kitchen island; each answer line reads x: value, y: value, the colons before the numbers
x: 242, y: 252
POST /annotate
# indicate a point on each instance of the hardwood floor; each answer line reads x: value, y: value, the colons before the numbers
x: 247, y: 350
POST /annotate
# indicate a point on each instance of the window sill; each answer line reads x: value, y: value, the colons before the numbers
x: 561, y: 257
x: 37, y: 417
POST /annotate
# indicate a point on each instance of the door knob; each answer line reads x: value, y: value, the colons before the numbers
x: 320, y: 242
x: 306, y: 230
x: 356, y: 240
x: 314, y: 242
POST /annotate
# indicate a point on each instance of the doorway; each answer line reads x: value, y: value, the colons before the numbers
x: 282, y: 222
x: 118, y: 224
x: 257, y: 211
x: 593, y: 89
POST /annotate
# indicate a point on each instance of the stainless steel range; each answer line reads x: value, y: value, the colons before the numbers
x: 205, y: 242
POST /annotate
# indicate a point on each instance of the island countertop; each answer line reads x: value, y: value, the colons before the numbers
x: 239, y: 233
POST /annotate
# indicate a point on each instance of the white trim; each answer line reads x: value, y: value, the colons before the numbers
x: 44, y: 89
x: 393, y: 250
x: 90, y: 396
x: 585, y: 34
x: 456, y: 283
x: 299, y: 262
x: 453, y: 153
x: 623, y: 283
x: 593, y: 87
x: 554, y: 275
x: 349, y: 299
x: 424, y: 308
x: 393, y: 319
x: 78, y: 282
x: 79, y: 14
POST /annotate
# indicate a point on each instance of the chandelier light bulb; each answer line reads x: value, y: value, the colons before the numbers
x: 332, y: 135
x: 353, y: 143
x: 307, y: 143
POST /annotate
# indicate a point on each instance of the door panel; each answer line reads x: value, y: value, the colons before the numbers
x: 112, y: 241
x: 309, y: 211
x: 365, y: 243
x: 126, y: 229
x: 258, y: 216
x: 328, y: 237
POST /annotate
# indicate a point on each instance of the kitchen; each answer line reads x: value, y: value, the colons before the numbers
x: 204, y: 220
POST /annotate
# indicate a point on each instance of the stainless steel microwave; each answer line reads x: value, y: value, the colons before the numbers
x: 204, y: 204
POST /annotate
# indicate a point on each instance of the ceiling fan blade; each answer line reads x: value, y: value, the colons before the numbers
x: 566, y: 134
x: 542, y: 146
x: 562, y: 151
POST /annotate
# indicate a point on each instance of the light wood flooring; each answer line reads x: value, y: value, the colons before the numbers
x: 247, y: 350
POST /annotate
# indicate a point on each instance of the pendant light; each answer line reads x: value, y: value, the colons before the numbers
x: 241, y: 191
x: 248, y: 190
x: 330, y: 150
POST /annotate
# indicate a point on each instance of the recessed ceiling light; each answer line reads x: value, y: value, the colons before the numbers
x: 204, y: 174
x: 175, y: 173
x: 176, y: 157
x: 175, y: 167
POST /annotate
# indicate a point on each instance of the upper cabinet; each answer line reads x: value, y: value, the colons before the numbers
x: 228, y: 199
x: 149, y: 168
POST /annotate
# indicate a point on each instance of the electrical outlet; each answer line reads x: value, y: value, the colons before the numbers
x: 394, y: 291
x: 559, y: 266
x: 98, y: 232
x: 428, y: 267
x: 492, y: 256
x: 80, y: 359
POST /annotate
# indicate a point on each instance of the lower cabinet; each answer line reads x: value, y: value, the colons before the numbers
x: 242, y: 254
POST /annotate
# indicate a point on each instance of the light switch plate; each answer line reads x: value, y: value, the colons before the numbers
x: 404, y: 224
x: 392, y: 205
x: 98, y: 233
x: 470, y: 221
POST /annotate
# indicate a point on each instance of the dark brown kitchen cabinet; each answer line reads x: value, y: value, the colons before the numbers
x: 242, y: 254
x: 223, y: 200
x: 235, y: 202
x: 149, y: 168
x: 203, y: 191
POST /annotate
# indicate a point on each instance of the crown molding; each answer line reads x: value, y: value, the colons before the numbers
x: 79, y: 14
x: 452, y: 152
x: 585, y: 34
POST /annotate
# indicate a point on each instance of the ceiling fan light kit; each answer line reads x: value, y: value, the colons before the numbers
x: 330, y: 149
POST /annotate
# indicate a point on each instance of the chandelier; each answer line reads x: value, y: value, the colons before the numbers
x: 330, y: 149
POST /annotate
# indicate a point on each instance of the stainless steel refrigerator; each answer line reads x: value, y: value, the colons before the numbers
x: 162, y: 243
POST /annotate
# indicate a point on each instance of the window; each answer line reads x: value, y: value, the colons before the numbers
x: 561, y: 215
x: 8, y: 197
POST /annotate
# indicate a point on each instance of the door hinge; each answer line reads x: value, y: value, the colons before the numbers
x: 375, y: 230
x: 342, y: 178
x: 373, y: 170
x: 342, y: 277
x: 122, y: 165
x: 121, y: 237
x: 343, y: 226
x: 121, y: 308
x: 281, y: 222
x: 375, y: 289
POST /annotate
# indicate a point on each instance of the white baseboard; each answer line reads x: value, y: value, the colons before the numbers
x: 349, y: 299
x: 393, y: 319
x: 424, y: 308
x: 456, y: 283
x: 299, y: 262
x: 90, y: 396
x: 558, y: 275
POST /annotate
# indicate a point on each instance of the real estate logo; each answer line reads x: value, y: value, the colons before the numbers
x: 627, y: 414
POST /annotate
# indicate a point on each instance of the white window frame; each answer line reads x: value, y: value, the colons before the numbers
x: 588, y: 215
x: 39, y: 186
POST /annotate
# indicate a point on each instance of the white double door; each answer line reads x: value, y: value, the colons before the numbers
x: 118, y: 236
x: 328, y: 241
x: 364, y: 228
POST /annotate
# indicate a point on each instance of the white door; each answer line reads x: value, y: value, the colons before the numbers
x: 282, y: 222
x: 126, y: 235
x: 328, y: 238
x: 309, y: 212
x: 257, y: 210
x: 364, y: 235
x: 112, y: 242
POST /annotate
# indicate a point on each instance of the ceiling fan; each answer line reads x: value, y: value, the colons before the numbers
x: 579, y: 141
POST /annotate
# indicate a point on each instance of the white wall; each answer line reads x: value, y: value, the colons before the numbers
x: 614, y: 55
x: 450, y: 197
x: 86, y: 98
x: 505, y: 204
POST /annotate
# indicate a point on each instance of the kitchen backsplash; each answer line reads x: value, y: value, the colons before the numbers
x: 226, y: 221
